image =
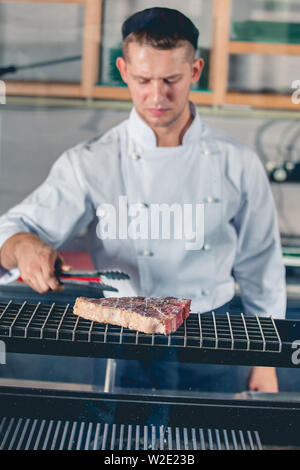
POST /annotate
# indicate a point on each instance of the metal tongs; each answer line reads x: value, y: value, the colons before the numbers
x: 91, y: 278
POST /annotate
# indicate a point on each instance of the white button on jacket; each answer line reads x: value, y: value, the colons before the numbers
x: 241, y: 239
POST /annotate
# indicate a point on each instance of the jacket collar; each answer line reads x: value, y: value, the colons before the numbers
x: 145, y: 137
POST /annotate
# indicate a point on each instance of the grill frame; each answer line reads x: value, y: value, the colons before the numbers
x: 217, y: 332
x: 240, y: 418
x: 220, y: 339
x: 41, y: 434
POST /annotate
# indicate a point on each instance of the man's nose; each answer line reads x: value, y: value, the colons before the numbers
x: 158, y: 91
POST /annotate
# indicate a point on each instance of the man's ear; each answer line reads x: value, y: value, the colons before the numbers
x: 197, y: 67
x: 121, y: 66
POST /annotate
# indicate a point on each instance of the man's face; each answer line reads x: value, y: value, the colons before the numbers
x: 159, y: 82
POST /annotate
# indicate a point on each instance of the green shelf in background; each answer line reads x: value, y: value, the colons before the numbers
x: 267, y: 31
x: 114, y: 84
x: 260, y: 41
x: 294, y: 252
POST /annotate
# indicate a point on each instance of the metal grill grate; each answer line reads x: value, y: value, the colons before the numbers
x: 42, y: 434
x: 231, y: 332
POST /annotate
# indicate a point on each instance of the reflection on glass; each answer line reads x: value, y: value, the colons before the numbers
x: 116, y: 11
x: 32, y: 33
x: 266, y: 20
x: 262, y: 73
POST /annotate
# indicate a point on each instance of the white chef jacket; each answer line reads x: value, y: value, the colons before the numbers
x: 241, y: 237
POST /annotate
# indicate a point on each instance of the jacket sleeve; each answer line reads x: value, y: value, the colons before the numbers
x: 56, y: 210
x: 258, y: 268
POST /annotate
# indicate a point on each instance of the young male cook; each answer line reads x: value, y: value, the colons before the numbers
x: 165, y: 155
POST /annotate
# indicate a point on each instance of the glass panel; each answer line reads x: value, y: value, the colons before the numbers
x: 263, y: 73
x: 266, y: 20
x: 31, y: 33
x: 116, y: 11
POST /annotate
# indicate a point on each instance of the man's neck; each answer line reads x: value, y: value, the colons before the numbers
x: 172, y: 136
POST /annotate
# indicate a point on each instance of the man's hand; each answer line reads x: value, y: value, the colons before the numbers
x: 263, y: 379
x: 35, y: 259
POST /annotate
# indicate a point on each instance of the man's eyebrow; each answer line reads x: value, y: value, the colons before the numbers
x: 163, y: 78
x: 173, y: 76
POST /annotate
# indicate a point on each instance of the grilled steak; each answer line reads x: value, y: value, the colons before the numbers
x: 146, y: 314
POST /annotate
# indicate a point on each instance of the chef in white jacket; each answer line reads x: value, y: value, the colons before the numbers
x: 164, y: 161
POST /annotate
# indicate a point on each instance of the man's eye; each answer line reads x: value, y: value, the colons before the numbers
x: 143, y: 82
x: 170, y: 81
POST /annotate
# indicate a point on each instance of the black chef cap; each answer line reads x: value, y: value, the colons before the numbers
x: 162, y: 21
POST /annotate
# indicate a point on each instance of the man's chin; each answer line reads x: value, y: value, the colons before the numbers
x: 159, y: 121
x: 158, y: 124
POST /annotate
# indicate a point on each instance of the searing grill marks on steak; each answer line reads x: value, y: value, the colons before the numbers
x: 145, y: 314
x: 143, y: 305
